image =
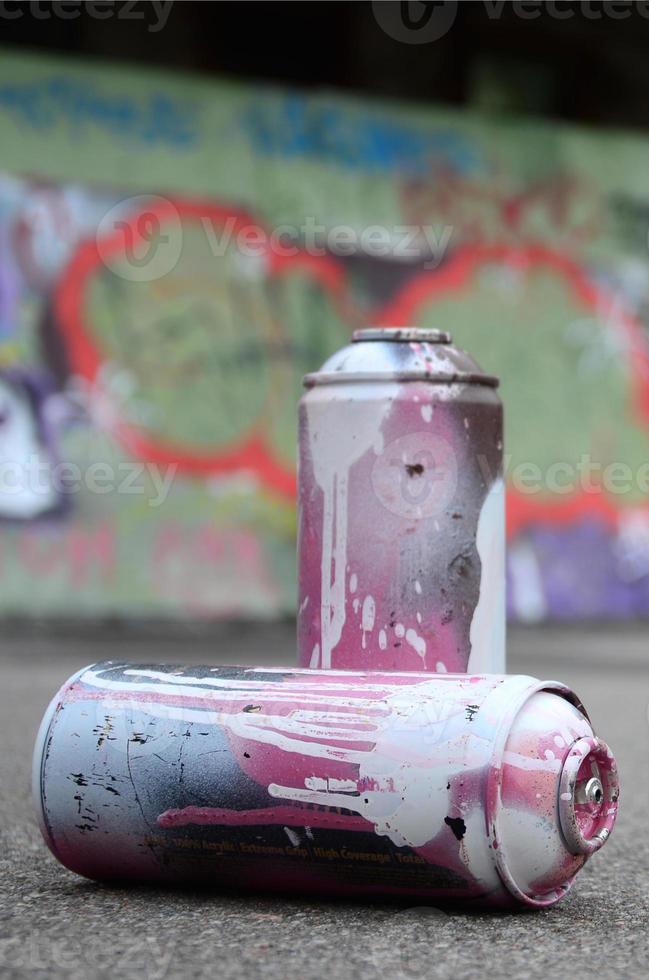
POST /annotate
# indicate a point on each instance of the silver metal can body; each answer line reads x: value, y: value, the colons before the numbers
x: 401, y: 536
x: 448, y: 788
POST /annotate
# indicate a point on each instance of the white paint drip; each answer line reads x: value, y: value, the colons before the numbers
x: 223, y: 690
x: 335, y: 446
x: 292, y: 836
x: 368, y: 616
x: 353, y: 582
x: 417, y: 586
x: 343, y: 785
x: 383, y: 639
x: 315, y: 657
x: 417, y: 642
x: 487, y: 632
x: 334, y: 551
x: 315, y: 782
x: 333, y: 785
x: 426, y: 412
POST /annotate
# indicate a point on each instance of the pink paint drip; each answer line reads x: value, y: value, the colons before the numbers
x: 284, y: 815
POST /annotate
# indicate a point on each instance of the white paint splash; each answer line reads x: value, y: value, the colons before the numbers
x: 383, y: 639
x: 353, y: 582
x: 487, y: 632
x: 426, y: 412
x: 315, y: 656
x: 409, y: 800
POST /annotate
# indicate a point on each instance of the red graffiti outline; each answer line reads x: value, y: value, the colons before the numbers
x: 456, y: 274
x: 250, y: 453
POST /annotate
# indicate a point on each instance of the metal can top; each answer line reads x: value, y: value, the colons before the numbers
x: 401, y: 354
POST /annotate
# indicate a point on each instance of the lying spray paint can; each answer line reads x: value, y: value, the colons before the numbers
x: 490, y: 790
x: 401, y: 508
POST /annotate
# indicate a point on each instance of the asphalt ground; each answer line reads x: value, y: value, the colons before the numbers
x: 54, y: 924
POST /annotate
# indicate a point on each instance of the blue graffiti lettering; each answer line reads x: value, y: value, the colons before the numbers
x: 297, y: 126
x: 156, y: 118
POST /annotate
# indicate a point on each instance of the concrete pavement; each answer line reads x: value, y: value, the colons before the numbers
x: 56, y: 925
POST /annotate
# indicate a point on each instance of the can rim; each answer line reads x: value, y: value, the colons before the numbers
x: 494, y: 795
x: 593, y: 748
x: 459, y: 377
x: 392, y: 335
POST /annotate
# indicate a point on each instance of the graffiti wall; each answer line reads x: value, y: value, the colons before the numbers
x: 175, y: 254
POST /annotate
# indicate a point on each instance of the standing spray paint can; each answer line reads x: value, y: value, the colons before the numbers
x: 490, y: 790
x: 401, y: 534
